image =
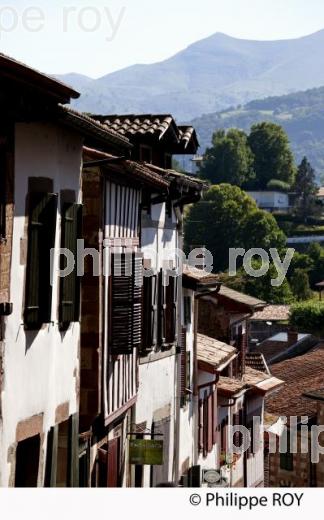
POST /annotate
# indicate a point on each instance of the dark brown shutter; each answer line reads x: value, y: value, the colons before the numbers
x: 171, y: 292
x: 237, y: 435
x: 3, y: 190
x: 149, y: 332
x: 126, y: 303
x: 183, y: 368
x: 162, y: 309
x: 70, y: 285
x: 187, y: 309
x: 41, y: 239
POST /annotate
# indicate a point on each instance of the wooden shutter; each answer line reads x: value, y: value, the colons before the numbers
x: 51, y: 457
x: 162, y: 309
x: 149, y: 330
x: 70, y: 285
x: 187, y: 310
x: 200, y: 426
x: 215, y: 417
x: 224, y: 435
x: 113, y: 469
x: 183, y: 368
x: 126, y: 303
x: 3, y: 190
x: 41, y: 239
x: 171, y: 292
x: 205, y: 425
x: 210, y: 425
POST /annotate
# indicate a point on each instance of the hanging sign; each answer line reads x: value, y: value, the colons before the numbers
x: 146, y: 452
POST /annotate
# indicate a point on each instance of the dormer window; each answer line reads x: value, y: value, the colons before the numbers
x: 146, y: 154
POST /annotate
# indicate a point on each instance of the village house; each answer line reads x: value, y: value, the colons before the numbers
x: 298, y: 405
x: 41, y: 147
x: 241, y: 379
x: 40, y: 175
x: 130, y: 354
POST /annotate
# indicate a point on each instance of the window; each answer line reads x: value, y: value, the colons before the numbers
x: 168, y: 296
x: 146, y: 154
x: 70, y: 285
x: 125, y: 303
x: 159, y: 310
x: 287, y: 459
x: 187, y: 310
x: 3, y: 189
x: 185, y: 375
x: 62, y: 454
x: 27, y: 461
x: 149, y: 331
x: 41, y: 239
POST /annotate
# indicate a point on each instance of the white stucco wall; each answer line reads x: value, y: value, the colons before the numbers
x: 41, y: 368
x: 157, y: 393
x: 188, y: 413
x: 270, y: 199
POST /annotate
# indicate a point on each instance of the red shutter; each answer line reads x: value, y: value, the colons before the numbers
x: 210, y: 423
x: 215, y: 417
x: 113, y: 463
x: 205, y: 424
x: 200, y: 426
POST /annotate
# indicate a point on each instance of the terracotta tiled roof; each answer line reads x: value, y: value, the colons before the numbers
x: 125, y: 166
x: 303, y: 374
x: 91, y: 127
x: 256, y: 361
x: 320, y: 192
x: 272, y: 313
x: 241, y: 298
x: 157, y: 125
x: 214, y: 353
x: 199, y: 274
x: 13, y: 69
x: 260, y: 381
x: 187, y: 178
x: 228, y: 386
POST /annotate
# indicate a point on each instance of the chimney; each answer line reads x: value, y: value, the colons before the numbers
x: 292, y: 338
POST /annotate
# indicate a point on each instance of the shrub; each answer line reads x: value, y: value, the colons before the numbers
x: 308, y: 317
x: 277, y: 185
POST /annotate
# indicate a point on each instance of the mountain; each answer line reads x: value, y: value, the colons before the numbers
x: 301, y: 114
x: 206, y: 77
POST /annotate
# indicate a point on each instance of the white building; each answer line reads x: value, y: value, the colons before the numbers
x: 271, y: 200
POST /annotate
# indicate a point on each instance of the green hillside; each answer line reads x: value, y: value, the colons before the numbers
x: 301, y: 114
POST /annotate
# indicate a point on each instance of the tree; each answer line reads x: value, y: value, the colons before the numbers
x: 306, y: 189
x: 229, y: 218
x: 229, y: 159
x: 299, y: 284
x: 260, y: 288
x: 273, y: 158
x: 308, y: 317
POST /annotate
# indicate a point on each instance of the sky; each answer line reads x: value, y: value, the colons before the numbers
x: 100, y: 36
